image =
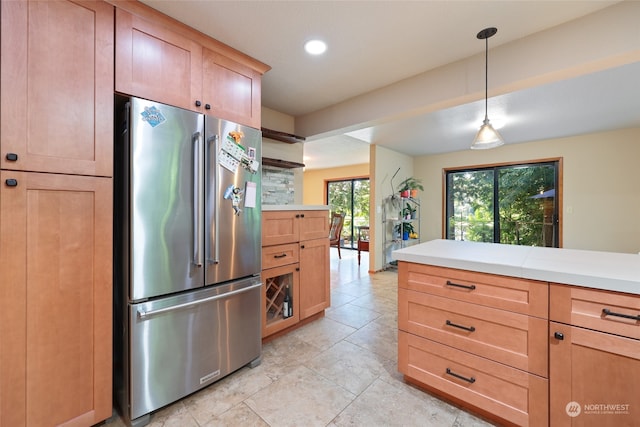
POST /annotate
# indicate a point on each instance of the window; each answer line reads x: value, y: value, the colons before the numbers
x: 351, y: 197
x: 515, y: 204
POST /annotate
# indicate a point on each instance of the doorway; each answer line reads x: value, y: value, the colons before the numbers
x: 351, y: 197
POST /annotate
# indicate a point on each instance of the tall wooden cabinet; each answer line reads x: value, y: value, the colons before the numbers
x: 56, y: 139
x: 55, y: 299
x: 295, y: 254
x: 57, y: 87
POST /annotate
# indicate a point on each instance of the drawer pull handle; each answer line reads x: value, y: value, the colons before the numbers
x: 458, y: 285
x: 462, y: 377
x: 280, y: 256
x: 466, y: 328
x: 608, y: 312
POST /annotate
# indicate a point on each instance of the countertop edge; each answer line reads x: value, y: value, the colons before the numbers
x: 295, y: 208
x: 615, y: 272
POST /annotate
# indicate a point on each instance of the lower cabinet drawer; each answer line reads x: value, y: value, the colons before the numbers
x: 511, y: 338
x: 511, y: 394
x: 605, y: 311
x: 507, y: 293
x: 275, y: 256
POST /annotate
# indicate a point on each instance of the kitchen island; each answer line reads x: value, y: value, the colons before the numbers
x: 522, y: 335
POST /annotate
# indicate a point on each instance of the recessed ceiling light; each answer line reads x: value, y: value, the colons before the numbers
x: 315, y: 47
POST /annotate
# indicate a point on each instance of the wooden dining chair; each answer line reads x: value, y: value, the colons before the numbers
x: 337, y: 221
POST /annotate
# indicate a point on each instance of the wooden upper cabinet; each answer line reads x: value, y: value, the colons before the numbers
x: 56, y: 110
x: 230, y: 89
x: 160, y: 59
x: 155, y: 63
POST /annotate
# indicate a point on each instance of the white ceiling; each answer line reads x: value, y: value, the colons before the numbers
x: 373, y: 44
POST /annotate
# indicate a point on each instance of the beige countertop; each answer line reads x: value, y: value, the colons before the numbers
x: 593, y: 269
x: 295, y: 207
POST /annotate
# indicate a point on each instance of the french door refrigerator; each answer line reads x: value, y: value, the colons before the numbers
x: 187, y: 254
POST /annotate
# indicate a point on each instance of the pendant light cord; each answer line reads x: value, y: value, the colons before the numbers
x: 486, y: 78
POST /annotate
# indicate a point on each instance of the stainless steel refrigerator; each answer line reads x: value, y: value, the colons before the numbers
x: 187, y: 254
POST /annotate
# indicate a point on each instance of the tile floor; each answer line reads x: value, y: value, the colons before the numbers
x: 337, y: 371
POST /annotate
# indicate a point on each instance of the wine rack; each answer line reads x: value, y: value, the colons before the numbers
x: 275, y: 282
x: 275, y: 288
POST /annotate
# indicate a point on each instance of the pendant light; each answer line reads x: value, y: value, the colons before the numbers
x: 487, y: 136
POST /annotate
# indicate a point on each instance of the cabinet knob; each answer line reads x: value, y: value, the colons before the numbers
x: 207, y: 106
x: 12, y: 157
x: 11, y: 182
x: 558, y: 336
x: 301, y: 215
x: 198, y: 103
x: 301, y: 246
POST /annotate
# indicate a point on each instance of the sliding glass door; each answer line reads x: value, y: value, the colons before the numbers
x: 512, y: 204
x: 351, y: 197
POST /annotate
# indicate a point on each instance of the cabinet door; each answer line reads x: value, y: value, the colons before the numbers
x: 56, y: 109
x: 155, y: 63
x: 314, y: 277
x: 55, y: 299
x: 280, y: 227
x: 594, y: 378
x: 314, y: 225
x: 231, y: 91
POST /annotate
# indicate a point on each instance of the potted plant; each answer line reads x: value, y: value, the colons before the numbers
x: 404, y: 229
x: 409, y: 212
x: 410, y: 186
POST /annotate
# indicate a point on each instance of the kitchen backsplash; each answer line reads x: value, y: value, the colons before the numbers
x: 277, y: 186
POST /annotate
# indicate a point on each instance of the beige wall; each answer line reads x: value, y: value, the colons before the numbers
x: 275, y: 120
x: 384, y: 164
x: 601, y: 199
x: 314, y: 181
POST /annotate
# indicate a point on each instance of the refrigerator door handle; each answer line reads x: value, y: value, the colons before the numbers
x: 144, y: 314
x: 198, y: 195
x: 216, y: 219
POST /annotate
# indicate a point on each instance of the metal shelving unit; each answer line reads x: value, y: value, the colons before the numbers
x: 397, y: 222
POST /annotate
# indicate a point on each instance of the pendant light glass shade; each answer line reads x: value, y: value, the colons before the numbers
x: 487, y: 136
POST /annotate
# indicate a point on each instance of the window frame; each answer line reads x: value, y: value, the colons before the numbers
x: 497, y: 166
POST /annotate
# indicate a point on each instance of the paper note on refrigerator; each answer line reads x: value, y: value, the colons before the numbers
x: 250, y: 195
